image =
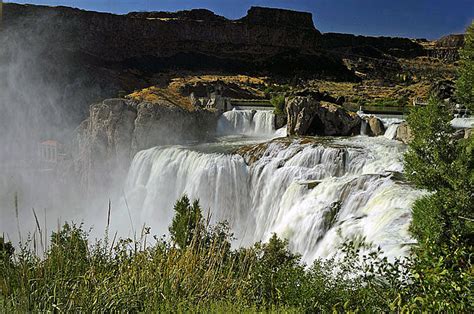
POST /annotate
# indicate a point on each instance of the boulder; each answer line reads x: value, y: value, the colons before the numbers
x: 404, y: 133
x: 468, y: 133
x: 308, y: 116
x: 375, y: 126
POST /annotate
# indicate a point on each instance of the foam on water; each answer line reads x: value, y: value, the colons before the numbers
x: 315, y: 195
x: 247, y: 122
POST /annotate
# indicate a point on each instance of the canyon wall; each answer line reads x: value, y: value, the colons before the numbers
x: 117, y: 129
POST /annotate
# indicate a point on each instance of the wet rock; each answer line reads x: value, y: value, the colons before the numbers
x: 375, y: 126
x: 280, y: 120
x: 459, y: 134
x: 404, y: 133
x: 308, y: 116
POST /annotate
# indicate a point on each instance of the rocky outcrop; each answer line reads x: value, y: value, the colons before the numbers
x: 190, y: 40
x: 116, y: 129
x: 280, y: 120
x: 278, y: 18
x: 375, y: 126
x: 116, y: 38
x: 442, y: 90
x: 309, y: 116
x: 453, y: 41
x: 392, y: 46
x: 404, y: 133
x: 446, y: 48
x: 74, y: 57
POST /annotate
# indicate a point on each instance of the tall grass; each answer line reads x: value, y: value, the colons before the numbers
x: 205, y: 275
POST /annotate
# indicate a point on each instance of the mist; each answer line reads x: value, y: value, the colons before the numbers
x: 45, y: 93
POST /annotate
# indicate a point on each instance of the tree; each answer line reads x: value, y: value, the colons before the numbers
x: 186, y: 222
x: 442, y: 220
x: 428, y: 162
x: 465, y: 81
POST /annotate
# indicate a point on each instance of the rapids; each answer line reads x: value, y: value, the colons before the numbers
x: 316, y: 193
x: 247, y: 122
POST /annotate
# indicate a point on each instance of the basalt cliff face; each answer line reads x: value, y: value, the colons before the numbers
x: 117, y: 128
x: 195, y: 39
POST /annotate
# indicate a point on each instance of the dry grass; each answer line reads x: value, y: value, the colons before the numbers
x: 254, y: 85
x: 171, y: 93
x: 373, y: 91
x: 156, y: 95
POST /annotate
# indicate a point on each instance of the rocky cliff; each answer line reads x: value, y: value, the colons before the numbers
x: 347, y: 44
x: 117, y: 128
x: 447, y: 48
x: 190, y: 39
x: 307, y: 115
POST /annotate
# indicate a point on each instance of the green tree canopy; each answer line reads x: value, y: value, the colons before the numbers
x: 186, y: 222
x: 465, y: 81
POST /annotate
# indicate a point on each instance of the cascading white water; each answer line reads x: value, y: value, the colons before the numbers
x: 390, y: 123
x: 314, y: 195
x: 248, y: 122
x: 391, y: 131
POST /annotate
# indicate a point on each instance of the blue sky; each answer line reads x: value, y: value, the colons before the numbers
x: 406, y: 18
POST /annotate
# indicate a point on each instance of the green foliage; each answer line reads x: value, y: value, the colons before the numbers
x: 276, y: 93
x: 6, y: 250
x: 278, y: 102
x: 187, y: 222
x: 444, y: 166
x: 276, y: 89
x: 203, y: 275
x: 432, y: 152
x: 442, y: 277
x: 277, y: 274
x: 465, y: 81
x: 442, y: 272
x: 399, y: 102
x: 206, y: 275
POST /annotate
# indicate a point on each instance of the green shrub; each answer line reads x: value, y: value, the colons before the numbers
x: 278, y: 102
x: 442, y: 272
x: 465, y: 80
x: 6, y: 250
x: 205, y: 274
x: 187, y: 222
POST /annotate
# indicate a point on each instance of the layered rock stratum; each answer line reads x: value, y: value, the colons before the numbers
x: 118, y: 128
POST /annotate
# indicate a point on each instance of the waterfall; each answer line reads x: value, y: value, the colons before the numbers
x: 391, y: 131
x: 315, y: 195
x: 390, y: 123
x: 247, y: 122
